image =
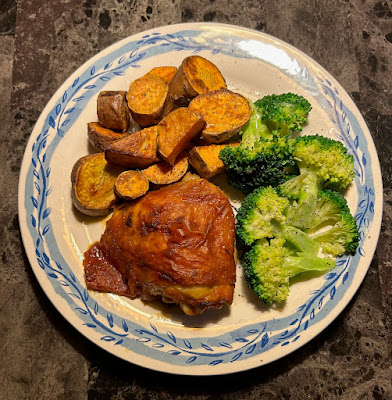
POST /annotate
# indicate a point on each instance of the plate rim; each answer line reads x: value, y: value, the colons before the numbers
x: 376, y: 224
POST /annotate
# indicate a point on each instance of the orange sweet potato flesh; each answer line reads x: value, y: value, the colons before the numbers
x: 225, y: 113
x: 195, y: 76
x: 138, y: 150
x: 112, y: 110
x: 166, y: 73
x: 101, y: 137
x: 131, y: 184
x: 175, y: 132
x: 205, y: 159
x: 146, y: 98
x: 93, y: 185
x: 164, y: 173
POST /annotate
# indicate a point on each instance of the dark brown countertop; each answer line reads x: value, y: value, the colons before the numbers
x: 42, y: 356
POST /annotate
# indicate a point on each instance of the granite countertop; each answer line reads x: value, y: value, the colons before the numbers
x: 41, y: 355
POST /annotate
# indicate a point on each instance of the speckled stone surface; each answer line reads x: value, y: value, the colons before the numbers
x: 41, y: 356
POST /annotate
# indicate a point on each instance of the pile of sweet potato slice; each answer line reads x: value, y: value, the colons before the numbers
x: 169, y: 120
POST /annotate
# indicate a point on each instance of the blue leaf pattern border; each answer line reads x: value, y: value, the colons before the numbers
x: 231, y: 347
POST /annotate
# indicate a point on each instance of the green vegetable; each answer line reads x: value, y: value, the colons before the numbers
x: 270, y: 264
x: 322, y: 163
x: 277, y: 251
x: 264, y: 156
x: 284, y: 113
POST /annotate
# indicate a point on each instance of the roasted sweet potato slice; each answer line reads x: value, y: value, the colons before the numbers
x: 138, y: 150
x: 131, y: 184
x: 146, y: 98
x: 164, y: 173
x: 101, y: 137
x: 112, y: 110
x: 225, y: 113
x: 205, y: 159
x: 195, y: 76
x: 166, y: 73
x: 189, y: 176
x: 175, y: 132
x: 93, y: 185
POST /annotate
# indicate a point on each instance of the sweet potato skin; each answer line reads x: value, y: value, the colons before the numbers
x: 175, y: 132
x: 138, y: 150
x: 112, y: 110
x: 93, y: 181
x: 205, y: 159
x: 225, y: 113
x: 164, y: 173
x: 146, y: 98
x: 130, y: 185
x: 101, y: 137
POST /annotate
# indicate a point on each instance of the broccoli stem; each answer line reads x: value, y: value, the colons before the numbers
x: 301, y: 214
x: 295, y: 265
x: 301, y: 241
x: 254, y: 130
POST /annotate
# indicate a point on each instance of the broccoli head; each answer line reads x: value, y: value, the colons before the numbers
x: 283, y: 113
x: 329, y: 208
x: 322, y: 163
x: 277, y: 251
x: 257, y: 214
x: 342, y: 237
x: 269, y: 265
x: 267, y: 162
x: 262, y: 215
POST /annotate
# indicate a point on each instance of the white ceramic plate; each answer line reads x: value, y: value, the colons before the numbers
x: 248, y: 334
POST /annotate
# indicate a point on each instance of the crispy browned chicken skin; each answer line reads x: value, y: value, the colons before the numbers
x: 176, y: 243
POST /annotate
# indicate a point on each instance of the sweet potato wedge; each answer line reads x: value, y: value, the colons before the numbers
x: 93, y: 185
x: 205, y: 159
x: 112, y: 110
x: 138, y: 150
x: 130, y: 185
x: 164, y: 173
x: 166, y: 73
x: 175, y: 132
x: 101, y: 137
x: 195, y: 76
x: 146, y: 98
x: 225, y: 113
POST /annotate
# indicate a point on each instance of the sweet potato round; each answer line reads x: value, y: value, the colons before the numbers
x: 225, y: 113
x: 166, y: 73
x: 163, y: 173
x: 93, y: 185
x: 146, y: 98
x: 131, y: 184
x: 195, y: 76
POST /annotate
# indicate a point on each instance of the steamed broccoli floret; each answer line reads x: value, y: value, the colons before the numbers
x: 266, y: 162
x: 254, y: 130
x: 322, y: 162
x: 340, y: 238
x: 278, y: 251
x: 283, y: 113
x: 269, y: 265
x: 329, y: 208
x: 257, y: 211
x: 262, y: 215
x: 264, y: 157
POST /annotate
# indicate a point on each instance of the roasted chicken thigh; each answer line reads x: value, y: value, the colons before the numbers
x: 176, y: 243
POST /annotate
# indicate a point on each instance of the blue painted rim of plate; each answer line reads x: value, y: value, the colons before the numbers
x: 248, y: 342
